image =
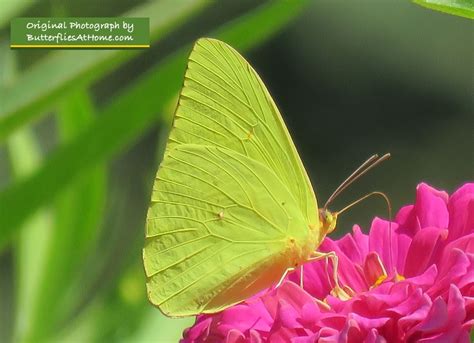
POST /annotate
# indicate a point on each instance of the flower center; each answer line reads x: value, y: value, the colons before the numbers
x: 398, y: 277
x: 379, y: 280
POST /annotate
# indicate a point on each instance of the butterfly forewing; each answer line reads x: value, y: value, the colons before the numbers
x: 225, y: 103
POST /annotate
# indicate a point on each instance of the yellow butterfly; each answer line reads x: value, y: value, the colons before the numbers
x: 232, y: 209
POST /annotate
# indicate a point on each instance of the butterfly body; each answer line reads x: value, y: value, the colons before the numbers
x: 232, y: 207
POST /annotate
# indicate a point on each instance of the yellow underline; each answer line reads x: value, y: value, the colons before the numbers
x: 79, y: 46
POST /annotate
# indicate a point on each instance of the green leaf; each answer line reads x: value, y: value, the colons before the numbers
x: 30, y: 257
x: 37, y: 89
x: 124, y: 303
x: 462, y: 8
x: 11, y: 8
x: 33, y: 240
x: 78, y: 214
x: 47, y: 254
x: 123, y: 121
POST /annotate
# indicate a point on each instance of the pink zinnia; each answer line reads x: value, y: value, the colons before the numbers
x: 418, y: 287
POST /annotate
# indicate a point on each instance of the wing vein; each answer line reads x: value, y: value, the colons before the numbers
x: 220, y: 266
x: 261, y: 148
x: 164, y: 233
x: 197, y: 239
x: 191, y: 197
x: 181, y: 260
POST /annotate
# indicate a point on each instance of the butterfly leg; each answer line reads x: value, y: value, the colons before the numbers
x: 301, y: 277
x: 337, y: 290
x: 284, y: 276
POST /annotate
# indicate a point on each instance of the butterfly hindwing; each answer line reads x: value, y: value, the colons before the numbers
x: 217, y: 230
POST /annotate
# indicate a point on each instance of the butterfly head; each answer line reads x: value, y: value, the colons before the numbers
x: 328, y: 220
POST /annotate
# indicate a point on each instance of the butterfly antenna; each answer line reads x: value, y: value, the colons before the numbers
x: 371, y: 162
x: 389, y: 207
x: 383, y: 195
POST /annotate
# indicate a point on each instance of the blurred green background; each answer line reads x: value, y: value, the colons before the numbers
x: 81, y: 133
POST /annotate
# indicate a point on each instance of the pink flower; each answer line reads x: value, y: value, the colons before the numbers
x: 418, y: 287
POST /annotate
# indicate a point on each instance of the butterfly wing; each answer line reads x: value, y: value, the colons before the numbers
x: 217, y: 230
x: 230, y: 192
x: 225, y: 103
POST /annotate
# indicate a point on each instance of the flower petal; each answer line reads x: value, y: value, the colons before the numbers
x: 381, y: 240
x: 424, y: 248
x: 456, y: 306
x: 367, y: 323
x: 349, y: 246
x: 374, y: 337
x: 294, y: 295
x: 454, y: 266
x: 464, y: 243
x: 288, y: 315
x: 305, y: 339
x: 461, y: 212
x: 255, y: 336
x: 243, y: 317
x: 429, y: 262
x: 316, y: 279
x: 328, y: 335
x: 453, y: 335
x: 310, y: 313
x: 349, y: 274
x: 351, y: 332
x: 437, y: 318
x: 431, y: 207
x: 235, y: 336
x: 199, y: 331
x: 425, y: 280
x: 413, y: 302
x: 361, y: 239
x: 282, y: 335
x: 408, y: 322
x: 408, y: 221
x: 374, y: 270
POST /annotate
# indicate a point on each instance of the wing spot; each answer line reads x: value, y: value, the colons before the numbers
x: 291, y: 242
x: 220, y: 215
x: 251, y: 132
